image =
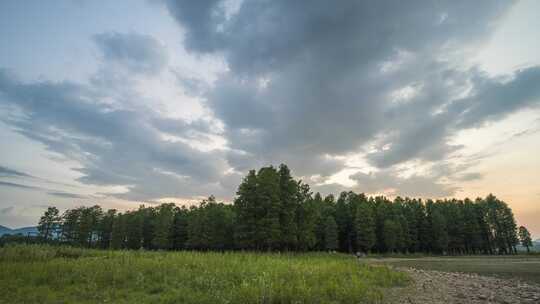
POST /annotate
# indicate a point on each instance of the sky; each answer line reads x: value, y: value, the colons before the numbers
x: 147, y: 101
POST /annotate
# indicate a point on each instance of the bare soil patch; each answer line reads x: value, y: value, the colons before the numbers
x: 435, y: 287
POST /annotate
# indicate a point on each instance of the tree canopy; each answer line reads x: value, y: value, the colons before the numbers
x: 272, y: 211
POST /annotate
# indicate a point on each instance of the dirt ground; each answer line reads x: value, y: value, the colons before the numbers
x: 523, y: 267
x: 435, y: 287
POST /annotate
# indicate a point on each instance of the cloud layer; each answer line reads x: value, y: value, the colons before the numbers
x: 116, y: 140
x: 309, y: 84
x: 308, y: 81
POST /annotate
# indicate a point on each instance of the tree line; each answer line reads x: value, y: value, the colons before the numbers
x: 275, y: 212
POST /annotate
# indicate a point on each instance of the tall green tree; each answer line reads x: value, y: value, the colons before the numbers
x: 453, y: 209
x: 133, y: 221
x: 268, y: 232
x: 410, y: 216
x: 247, y: 214
x: 330, y: 234
x: 87, y: 225
x: 439, y: 234
x: 105, y: 229
x: 118, y: 235
x: 305, y: 218
x: 383, y: 212
x: 344, y: 221
x: 365, y: 227
x: 163, y: 221
x: 471, y: 228
x: 179, y: 229
x: 288, y: 196
x: 49, y: 223
x: 69, y: 225
x: 211, y: 226
x: 510, y: 228
x: 525, y: 238
x: 319, y: 221
x: 148, y: 215
x: 391, y: 235
x: 323, y: 209
x: 199, y: 230
x: 273, y: 211
x: 501, y: 223
x: 422, y: 227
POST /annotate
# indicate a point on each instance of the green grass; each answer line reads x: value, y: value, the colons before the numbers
x: 42, y: 274
x: 523, y: 267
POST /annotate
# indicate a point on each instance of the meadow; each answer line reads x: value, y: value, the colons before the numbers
x: 47, y: 274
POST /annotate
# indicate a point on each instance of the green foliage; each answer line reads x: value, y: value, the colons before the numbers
x: 246, y: 212
x: 391, y: 235
x: 289, y: 204
x: 44, y: 274
x: 162, y: 226
x: 525, y: 238
x: 133, y: 230
x: 330, y: 234
x: 365, y: 227
x: 211, y: 226
x: 80, y: 225
x: 9, y: 239
x: 40, y: 253
x: 105, y: 229
x: 305, y: 218
x: 267, y: 229
x: 273, y: 211
x: 439, y: 233
x: 49, y: 223
x: 344, y: 221
x: 179, y: 229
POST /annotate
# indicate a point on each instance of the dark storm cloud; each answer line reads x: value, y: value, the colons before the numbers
x: 490, y: 100
x: 138, y: 52
x: 200, y: 17
x: 264, y: 35
x: 7, y: 172
x: 312, y: 78
x: 306, y: 80
x: 494, y: 99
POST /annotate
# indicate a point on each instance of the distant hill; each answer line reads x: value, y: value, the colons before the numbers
x: 535, y: 247
x: 4, y: 230
x: 27, y: 230
x: 23, y: 230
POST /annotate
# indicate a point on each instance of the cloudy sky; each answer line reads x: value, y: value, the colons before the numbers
x: 123, y: 102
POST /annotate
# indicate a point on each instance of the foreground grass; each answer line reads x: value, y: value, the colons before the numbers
x: 523, y: 267
x: 42, y: 274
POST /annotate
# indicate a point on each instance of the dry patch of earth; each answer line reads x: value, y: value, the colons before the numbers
x: 435, y: 287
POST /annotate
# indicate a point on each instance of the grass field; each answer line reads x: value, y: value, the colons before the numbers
x: 524, y: 267
x: 41, y: 274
